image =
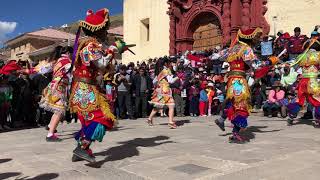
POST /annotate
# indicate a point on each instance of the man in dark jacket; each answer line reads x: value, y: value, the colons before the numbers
x: 142, y: 86
x: 40, y: 82
x: 124, y: 81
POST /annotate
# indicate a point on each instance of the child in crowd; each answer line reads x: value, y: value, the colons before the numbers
x: 211, y: 94
x: 203, y: 100
x: 289, y: 99
x: 216, y: 106
x: 194, y: 99
x: 111, y: 94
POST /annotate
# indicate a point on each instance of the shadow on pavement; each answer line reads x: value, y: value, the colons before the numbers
x: 128, y: 149
x: 5, y: 160
x: 303, y: 121
x: 18, y: 129
x: 178, y: 123
x: 120, y: 128
x: 46, y: 176
x: 250, y: 132
x: 272, y: 119
x: 9, y: 175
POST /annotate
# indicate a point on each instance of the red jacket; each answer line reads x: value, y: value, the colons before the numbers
x: 296, y: 44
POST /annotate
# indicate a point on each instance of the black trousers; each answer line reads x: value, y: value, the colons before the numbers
x: 271, y: 109
x: 194, y: 105
x: 141, y: 104
x: 125, y: 104
x: 257, y: 100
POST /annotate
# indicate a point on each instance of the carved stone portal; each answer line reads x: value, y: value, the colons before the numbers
x: 226, y: 16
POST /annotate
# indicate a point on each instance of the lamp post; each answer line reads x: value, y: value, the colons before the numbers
x: 275, y: 19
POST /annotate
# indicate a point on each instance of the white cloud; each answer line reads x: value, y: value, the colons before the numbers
x: 6, y: 28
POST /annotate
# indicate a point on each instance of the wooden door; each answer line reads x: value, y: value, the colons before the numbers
x: 207, y: 37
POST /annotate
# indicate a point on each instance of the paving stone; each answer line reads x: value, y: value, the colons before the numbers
x: 190, y: 168
x: 196, y: 150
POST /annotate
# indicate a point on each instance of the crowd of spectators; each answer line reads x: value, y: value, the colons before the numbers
x: 200, y: 90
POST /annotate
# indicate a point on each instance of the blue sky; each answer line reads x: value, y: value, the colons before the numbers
x: 21, y: 16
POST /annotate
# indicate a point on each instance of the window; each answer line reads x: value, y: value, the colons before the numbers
x: 145, y: 30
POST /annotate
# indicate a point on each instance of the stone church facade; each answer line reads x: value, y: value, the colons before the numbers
x: 166, y: 27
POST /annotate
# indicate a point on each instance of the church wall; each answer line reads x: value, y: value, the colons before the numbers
x: 290, y: 13
x: 136, y: 15
x: 293, y: 13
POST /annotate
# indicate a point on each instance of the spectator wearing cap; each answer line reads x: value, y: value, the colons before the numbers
x: 296, y: 43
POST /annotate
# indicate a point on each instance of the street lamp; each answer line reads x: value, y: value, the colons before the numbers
x: 275, y: 19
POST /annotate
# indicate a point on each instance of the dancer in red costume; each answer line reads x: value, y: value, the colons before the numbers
x: 237, y: 103
x: 92, y: 55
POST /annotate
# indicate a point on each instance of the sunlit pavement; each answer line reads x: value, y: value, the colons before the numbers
x: 196, y: 150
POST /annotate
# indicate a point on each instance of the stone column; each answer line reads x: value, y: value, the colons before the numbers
x: 245, y: 17
x: 172, y: 45
x: 235, y: 17
x: 226, y: 25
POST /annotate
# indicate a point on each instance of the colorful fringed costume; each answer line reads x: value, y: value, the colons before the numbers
x: 55, y: 94
x: 238, y: 93
x: 86, y: 100
x: 308, y: 86
x: 237, y: 103
x: 162, y: 95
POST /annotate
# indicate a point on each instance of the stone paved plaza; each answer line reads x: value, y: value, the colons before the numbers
x: 196, y: 150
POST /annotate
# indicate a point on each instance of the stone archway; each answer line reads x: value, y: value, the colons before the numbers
x: 206, y: 31
x: 231, y: 15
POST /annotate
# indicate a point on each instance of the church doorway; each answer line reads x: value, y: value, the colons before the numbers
x: 206, y: 31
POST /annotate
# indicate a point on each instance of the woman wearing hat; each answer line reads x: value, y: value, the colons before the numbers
x: 237, y: 103
x: 92, y: 56
x: 275, y: 101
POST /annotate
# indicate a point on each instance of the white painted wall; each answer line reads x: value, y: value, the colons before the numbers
x: 133, y: 12
x: 293, y: 13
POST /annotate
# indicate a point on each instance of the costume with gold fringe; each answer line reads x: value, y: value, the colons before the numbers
x: 54, y: 96
x: 308, y: 86
x: 86, y: 100
x: 238, y: 92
